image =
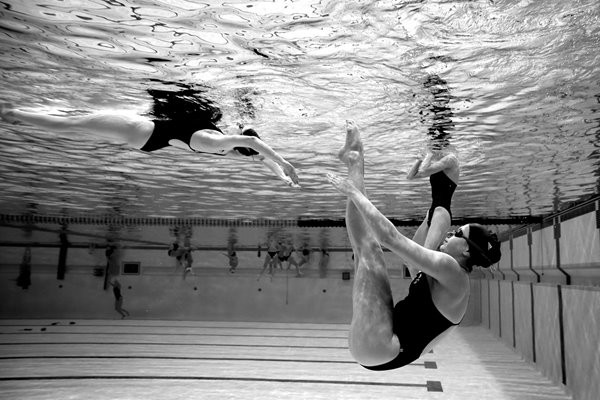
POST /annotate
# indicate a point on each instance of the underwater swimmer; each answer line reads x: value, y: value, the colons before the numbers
x: 382, y: 335
x: 187, y: 133
x: 443, y: 170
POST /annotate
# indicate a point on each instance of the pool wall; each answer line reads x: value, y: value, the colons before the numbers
x: 323, y: 294
x: 544, y: 298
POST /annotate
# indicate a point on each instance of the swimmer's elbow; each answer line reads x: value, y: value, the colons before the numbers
x: 253, y: 142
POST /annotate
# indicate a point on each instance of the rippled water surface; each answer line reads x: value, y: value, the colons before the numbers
x: 521, y: 77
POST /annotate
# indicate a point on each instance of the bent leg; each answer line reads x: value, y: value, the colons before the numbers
x: 266, y: 264
x: 371, y: 339
x: 419, y: 237
x: 421, y: 234
x: 440, y: 224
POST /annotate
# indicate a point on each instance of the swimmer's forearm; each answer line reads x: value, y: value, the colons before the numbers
x: 435, y: 166
x: 414, y: 170
x: 426, y: 162
x: 266, y: 151
x: 275, y: 167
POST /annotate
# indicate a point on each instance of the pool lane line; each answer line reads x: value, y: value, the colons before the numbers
x: 58, y: 324
x: 46, y: 332
x: 431, y: 386
x: 426, y: 364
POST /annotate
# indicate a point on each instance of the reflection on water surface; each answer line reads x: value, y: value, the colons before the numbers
x: 517, y: 94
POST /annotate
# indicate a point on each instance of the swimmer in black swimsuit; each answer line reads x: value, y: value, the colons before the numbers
x: 285, y: 254
x: 383, y: 336
x: 443, y: 171
x: 271, y: 259
x: 440, y: 165
x: 185, y: 131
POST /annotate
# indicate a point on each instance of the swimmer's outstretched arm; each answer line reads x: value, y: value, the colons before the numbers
x: 277, y: 170
x: 206, y: 141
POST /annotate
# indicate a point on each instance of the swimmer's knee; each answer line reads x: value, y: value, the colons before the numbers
x: 371, y: 352
x: 365, y: 257
x: 421, y: 232
x: 441, y: 220
x: 441, y: 214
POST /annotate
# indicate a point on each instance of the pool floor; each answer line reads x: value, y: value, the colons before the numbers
x: 144, y: 359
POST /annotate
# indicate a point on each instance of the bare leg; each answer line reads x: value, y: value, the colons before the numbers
x: 266, y: 264
x: 421, y: 234
x: 298, y: 273
x: 440, y: 224
x: 292, y: 261
x: 119, y: 308
x: 419, y: 237
x: 186, y: 271
x: 432, y: 236
x: 130, y: 129
x: 371, y: 339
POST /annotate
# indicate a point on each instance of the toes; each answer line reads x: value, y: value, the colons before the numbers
x: 351, y: 125
x: 353, y: 156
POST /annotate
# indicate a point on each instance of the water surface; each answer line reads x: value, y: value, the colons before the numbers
x: 520, y: 101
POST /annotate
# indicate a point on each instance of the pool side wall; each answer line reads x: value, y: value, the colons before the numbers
x: 544, y: 298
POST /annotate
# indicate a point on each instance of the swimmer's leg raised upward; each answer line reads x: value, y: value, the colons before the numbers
x: 371, y: 339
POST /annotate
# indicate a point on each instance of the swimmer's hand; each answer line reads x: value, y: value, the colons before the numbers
x: 290, y: 172
x: 286, y: 173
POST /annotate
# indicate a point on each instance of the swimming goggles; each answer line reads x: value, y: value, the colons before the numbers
x: 460, y: 234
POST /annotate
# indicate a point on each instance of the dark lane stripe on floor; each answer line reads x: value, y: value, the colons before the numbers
x: 169, y: 334
x: 173, y: 358
x: 283, y: 346
x: 431, y: 386
x: 426, y: 364
x: 266, y: 328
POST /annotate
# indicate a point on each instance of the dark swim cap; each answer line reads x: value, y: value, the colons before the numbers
x: 487, y: 246
x: 246, y: 151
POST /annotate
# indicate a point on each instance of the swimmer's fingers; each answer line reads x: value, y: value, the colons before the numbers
x: 294, y: 185
x: 294, y: 178
x: 289, y: 182
x: 286, y: 173
x: 290, y: 171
